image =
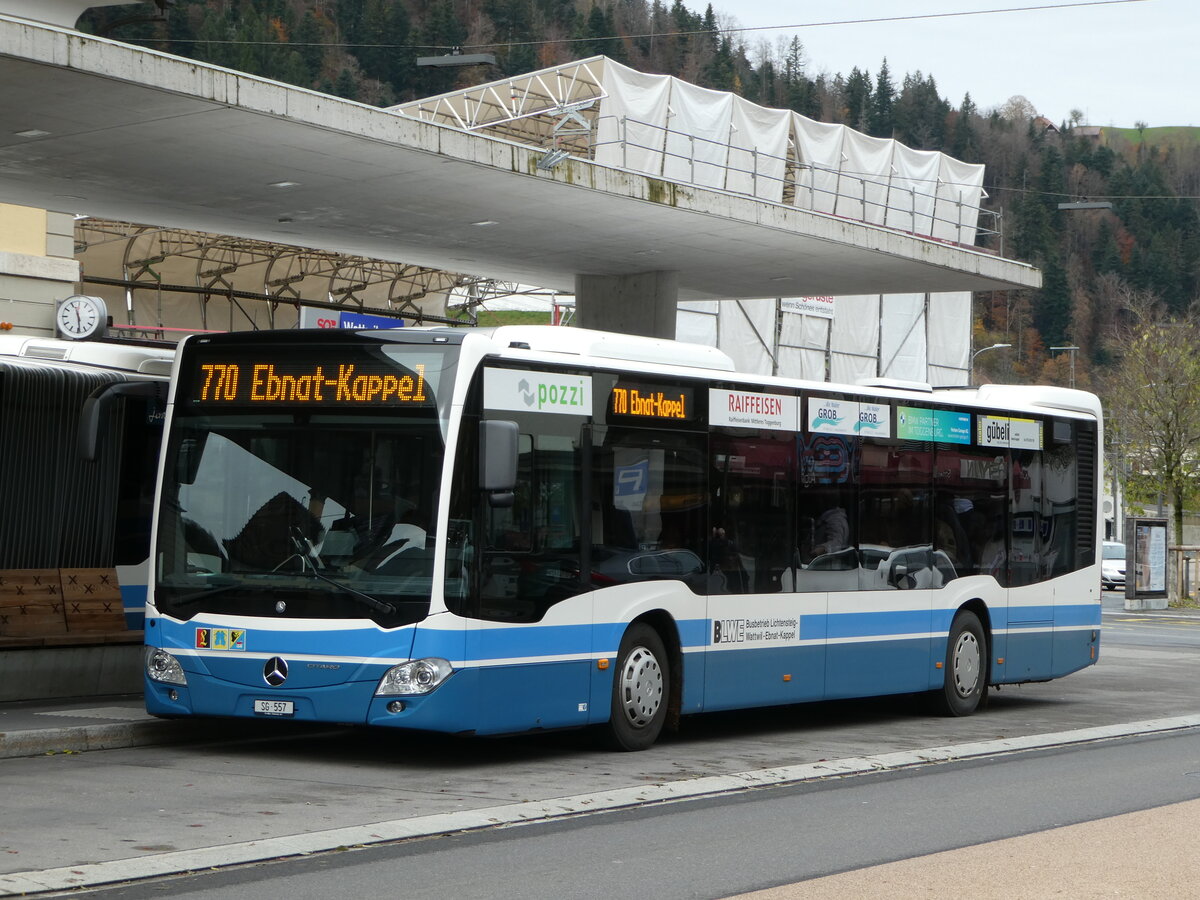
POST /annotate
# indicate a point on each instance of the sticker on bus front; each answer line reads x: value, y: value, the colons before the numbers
x: 220, y: 639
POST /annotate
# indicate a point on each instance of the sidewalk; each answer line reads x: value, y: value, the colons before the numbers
x: 1114, y: 602
x: 40, y: 727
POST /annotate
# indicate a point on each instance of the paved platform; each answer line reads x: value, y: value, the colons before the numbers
x: 72, y: 726
x: 103, y: 723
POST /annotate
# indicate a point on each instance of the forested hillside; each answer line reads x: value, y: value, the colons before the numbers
x: 1098, y: 263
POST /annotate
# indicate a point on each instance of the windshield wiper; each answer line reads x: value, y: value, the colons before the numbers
x: 204, y: 594
x: 308, y: 554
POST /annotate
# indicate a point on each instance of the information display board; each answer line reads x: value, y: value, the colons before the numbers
x: 1146, y: 563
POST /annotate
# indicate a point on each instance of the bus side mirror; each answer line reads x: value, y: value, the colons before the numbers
x: 187, y: 463
x: 98, y: 408
x: 498, y: 450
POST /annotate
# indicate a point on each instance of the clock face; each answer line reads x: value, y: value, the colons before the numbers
x: 81, y: 317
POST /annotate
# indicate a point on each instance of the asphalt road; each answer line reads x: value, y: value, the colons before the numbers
x: 715, y: 848
x: 139, y: 805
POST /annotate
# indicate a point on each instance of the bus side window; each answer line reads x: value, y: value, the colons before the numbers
x: 649, y: 508
x: 750, y: 510
x: 895, y: 509
x: 825, y: 557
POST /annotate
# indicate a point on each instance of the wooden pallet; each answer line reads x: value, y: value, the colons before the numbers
x: 31, y: 603
x: 48, y: 606
x: 92, y: 601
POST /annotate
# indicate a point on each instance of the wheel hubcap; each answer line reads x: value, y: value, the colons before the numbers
x: 966, y: 664
x: 641, y: 687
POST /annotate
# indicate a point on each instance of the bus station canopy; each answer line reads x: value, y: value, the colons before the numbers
x: 101, y: 128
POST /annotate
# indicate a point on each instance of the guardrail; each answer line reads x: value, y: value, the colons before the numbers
x: 899, y: 199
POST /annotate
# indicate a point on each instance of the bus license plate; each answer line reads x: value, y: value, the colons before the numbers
x: 273, y: 707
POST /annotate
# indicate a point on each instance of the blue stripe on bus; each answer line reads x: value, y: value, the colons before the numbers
x: 538, y: 693
x: 133, y: 602
x: 878, y: 624
x: 1077, y: 615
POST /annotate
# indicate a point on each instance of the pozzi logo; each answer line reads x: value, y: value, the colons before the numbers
x: 522, y: 390
x: 552, y: 393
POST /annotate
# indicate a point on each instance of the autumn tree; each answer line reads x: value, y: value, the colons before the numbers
x: 1154, y: 403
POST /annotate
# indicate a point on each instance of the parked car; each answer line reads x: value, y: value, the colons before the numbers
x: 1112, y: 566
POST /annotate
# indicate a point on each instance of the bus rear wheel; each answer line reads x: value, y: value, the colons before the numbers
x: 640, y: 690
x: 965, y: 668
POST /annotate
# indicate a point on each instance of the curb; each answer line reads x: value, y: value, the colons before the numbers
x: 89, y: 875
x: 110, y: 736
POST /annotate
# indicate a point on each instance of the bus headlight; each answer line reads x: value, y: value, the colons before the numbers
x: 162, y: 666
x: 417, y: 677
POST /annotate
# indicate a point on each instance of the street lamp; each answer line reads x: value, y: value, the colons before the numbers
x: 971, y: 365
x: 1070, y: 350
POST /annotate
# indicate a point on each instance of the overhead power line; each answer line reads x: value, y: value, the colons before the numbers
x: 662, y: 34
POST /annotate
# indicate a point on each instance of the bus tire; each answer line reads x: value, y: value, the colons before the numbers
x: 965, y: 668
x: 640, y: 690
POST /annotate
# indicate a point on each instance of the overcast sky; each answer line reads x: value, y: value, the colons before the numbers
x: 1117, y: 63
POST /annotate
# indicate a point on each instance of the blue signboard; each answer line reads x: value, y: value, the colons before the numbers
x: 942, y: 425
x: 359, y: 320
x: 329, y: 318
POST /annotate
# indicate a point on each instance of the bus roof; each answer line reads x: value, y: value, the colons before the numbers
x: 113, y: 357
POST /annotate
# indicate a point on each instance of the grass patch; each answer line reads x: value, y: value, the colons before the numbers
x: 490, y: 318
x: 1164, y: 136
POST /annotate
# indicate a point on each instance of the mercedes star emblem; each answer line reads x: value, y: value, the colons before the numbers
x: 275, y: 671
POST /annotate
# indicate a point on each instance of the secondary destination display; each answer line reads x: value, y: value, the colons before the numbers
x: 647, y: 401
x: 315, y: 377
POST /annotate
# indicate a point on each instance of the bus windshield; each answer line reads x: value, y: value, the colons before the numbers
x: 298, y: 510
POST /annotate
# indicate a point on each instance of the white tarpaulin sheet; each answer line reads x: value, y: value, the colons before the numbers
x: 634, y: 112
x: 854, y: 339
x: 663, y: 126
x: 698, y: 134
x: 819, y: 152
x: 847, y: 369
x: 940, y: 376
x: 866, y: 173
x: 803, y: 340
x: 960, y: 190
x: 950, y: 330
x: 747, y: 332
x: 902, y: 346
x: 696, y: 322
x: 758, y: 150
x: 914, y: 188
x: 856, y: 326
x: 913, y: 337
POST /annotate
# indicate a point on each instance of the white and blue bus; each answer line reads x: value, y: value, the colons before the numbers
x: 495, y: 531
x: 80, y: 428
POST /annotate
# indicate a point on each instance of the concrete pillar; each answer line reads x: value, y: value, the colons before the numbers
x: 642, y: 303
x: 37, y: 267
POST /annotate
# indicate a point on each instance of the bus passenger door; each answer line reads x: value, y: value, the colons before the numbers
x: 647, y: 545
x: 766, y: 632
x: 1030, y: 646
x: 529, y: 621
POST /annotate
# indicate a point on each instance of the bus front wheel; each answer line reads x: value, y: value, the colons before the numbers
x: 965, y: 667
x: 640, y: 690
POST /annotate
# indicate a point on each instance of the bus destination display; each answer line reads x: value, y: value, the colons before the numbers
x: 645, y: 401
x: 346, y: 383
